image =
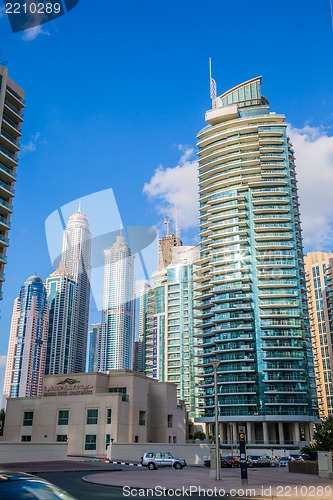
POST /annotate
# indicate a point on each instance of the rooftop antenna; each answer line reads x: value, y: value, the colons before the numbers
x: 212, y: 84
x: 167, y: 225
x: 79, y: 206
x: 176, y: 223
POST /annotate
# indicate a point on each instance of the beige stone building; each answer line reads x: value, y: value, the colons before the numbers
x: 319, y: 281
x: 91, y: 410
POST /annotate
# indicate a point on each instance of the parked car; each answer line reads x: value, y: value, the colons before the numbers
x: 155, y: 459
x: 274, y: 462
x: 229, y: 461
x: 263, y: 462
x: 226, y: 461
x: 15, y: 485
x: 252, y: 460
x: 284, y: 461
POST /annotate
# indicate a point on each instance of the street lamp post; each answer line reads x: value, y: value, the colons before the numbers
x: 215, y: 363
x: 232, y: 438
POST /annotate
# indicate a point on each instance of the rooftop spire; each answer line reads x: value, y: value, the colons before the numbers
x: 212, y: 84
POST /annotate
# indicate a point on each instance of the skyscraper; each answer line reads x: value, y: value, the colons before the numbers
x: 94, y: 343
x: 117, y: 339
x: 76, y: 257
x: 251, y: 295
x: 11, y: 106
x: 167, y: 324
x: 62, y: 291
x: 27, y: 341
x: 319, y: 272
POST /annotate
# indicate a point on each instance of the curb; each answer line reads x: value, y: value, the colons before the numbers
x: 122, y: 463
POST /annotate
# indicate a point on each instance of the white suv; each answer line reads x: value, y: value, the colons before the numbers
x: 155, y: 459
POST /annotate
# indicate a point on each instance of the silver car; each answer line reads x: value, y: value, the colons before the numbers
x: 155, y: 459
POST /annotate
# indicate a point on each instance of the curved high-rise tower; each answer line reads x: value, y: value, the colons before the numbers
x: 76, y: 260
x: 250, y: 292
x: 27, y: 341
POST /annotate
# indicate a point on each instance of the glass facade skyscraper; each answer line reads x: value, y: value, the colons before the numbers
x: 27, y: 341
x: 76, y: 257
x: 62, y: 291
x: 167, y: 324
x: 118, y: 318
x: 250, y: 285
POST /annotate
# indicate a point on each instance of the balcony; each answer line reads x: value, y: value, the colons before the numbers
x: 6, y: 206
x: 5, y: 187
x: 13, y: 111
x: 4, y: 222
x: 7, y: 172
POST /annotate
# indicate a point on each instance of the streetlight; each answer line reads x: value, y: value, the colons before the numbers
x: 215, y: 363
x: 232, y: 438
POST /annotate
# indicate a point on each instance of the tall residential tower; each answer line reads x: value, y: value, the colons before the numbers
x: 319, y: 273
x: 76, y: 257
x: 62, y: 291
x: 167, y: 324
x: 117, y: 338
x: 27, y: 341
x: 11, y: 107
x: 250, y: 286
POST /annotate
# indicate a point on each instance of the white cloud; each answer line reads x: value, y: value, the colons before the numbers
x: 314, y: 167
x: 33, y: 143
x: 177, y: 187
x: 33, y: 33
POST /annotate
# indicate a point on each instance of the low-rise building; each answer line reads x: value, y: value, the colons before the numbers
x: 91, y: 410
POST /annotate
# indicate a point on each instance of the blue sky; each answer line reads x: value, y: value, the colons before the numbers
x: 118, y: 89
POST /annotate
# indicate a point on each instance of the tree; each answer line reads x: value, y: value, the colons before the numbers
x: 323, y: 435
x: 311, y: 451
x: 200, y: 435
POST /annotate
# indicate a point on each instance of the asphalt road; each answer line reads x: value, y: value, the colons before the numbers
x: 73, y: 484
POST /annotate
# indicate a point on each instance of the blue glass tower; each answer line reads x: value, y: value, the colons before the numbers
x: 27, y: 342
x: 251, y: 295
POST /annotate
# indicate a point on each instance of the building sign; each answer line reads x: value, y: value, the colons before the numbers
x: 68, y: 387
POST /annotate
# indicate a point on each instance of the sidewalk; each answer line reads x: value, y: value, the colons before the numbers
x: 269, y: 483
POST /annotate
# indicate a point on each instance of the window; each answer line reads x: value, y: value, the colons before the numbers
x: 142, y: 418
x: 63, y: 416
x: 170, y: 419
x: 28, y: 417
x: 62, y: 438
x: 90, y: 442
x: 118, y: 389
x: 25, y: 438
x: 108, y: 415
x: 92, y: 416
x: 107, y: 441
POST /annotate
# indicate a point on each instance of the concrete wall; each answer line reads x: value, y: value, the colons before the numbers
x: 304, y: 467
x: 193, y: 453
x: 32, y: 452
